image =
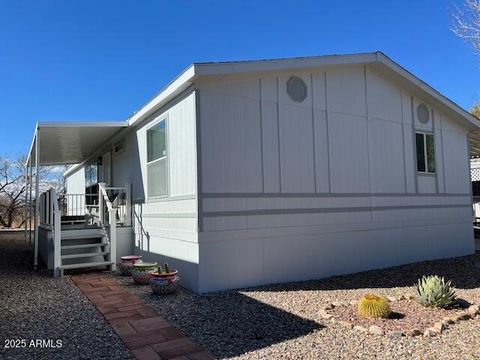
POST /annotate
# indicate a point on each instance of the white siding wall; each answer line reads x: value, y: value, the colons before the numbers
x: 76, y: 186
x: 170, y: 221
x: 327, y: 186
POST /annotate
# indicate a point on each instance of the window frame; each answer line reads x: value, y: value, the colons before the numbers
x: 425, y: 153
x: 157, y: 121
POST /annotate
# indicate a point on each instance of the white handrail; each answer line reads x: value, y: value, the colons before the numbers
x: 142, y: 229
x: 112, y: 221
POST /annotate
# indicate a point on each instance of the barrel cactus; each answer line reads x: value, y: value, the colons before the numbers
x: 374, y: 306
x: 434, y: 291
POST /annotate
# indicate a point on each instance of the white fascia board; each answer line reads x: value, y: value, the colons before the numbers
x: 76, y: 124
x: 176, y: 86
x: 393, y: 66
x: 206, y: 69
x: 72, y: 169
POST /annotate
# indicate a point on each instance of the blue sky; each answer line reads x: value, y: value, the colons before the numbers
x: 101, y: 60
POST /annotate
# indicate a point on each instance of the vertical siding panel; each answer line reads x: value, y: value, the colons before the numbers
x: 439, y: 161
x: 270, y: 153
x: 410, y: 172
x: 296, y: 149
x: 320, y: 129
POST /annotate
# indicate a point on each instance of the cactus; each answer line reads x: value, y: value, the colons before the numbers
x: 434, y: 291
x: 167, y: 268
x: 374, y: 306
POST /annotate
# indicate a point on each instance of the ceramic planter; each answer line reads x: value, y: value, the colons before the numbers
x: 163, y: 284
x: 126, y: 265
x: 142, y: 272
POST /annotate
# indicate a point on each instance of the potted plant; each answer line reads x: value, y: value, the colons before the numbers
x: 142, y: 272
x: 127, y: 263
x: 164, y: 280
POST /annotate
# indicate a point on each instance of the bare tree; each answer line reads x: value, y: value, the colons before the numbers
x: 475, y: 110
x: 12, y: 191
x: 467, y: 23
x: 13, y: 187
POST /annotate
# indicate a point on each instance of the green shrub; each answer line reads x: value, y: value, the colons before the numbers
x: 374, y: 306
x: 434, y: 291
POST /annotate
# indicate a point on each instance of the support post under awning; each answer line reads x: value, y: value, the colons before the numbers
x: 37, y: 197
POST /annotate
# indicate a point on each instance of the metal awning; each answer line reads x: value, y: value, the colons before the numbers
x: 61, y: 144
x: 71, y: 143
x: 474, y: 141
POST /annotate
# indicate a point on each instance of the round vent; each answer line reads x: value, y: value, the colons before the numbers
x: 423, y: 114
x: 296, y: 89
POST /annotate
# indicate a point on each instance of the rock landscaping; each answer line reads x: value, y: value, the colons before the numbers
x: 35, y: 306
x: 409, y: 318
x: 298, y: 321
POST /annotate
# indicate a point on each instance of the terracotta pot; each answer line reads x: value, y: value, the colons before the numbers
x: 131, y: 259
x: 164, y: 285
x: 165, y: 275
x: 142, y: 272
x: 126, y: 265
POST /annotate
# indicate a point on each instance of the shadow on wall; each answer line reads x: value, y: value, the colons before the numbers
x: 463, y: 271
x: 188, y: 271
x: 135, y: 170
x: 228, y: 324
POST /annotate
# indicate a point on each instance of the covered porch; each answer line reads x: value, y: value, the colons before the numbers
x: 74, y: 230
x: 474, y: 148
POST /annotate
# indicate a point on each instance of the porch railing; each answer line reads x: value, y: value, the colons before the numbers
x: 110, y: 208
x: 114, y: 207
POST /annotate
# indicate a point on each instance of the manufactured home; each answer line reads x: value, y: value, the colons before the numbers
x: 255, y: 172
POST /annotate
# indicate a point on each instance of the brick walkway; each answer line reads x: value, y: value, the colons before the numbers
x: 145, y: 333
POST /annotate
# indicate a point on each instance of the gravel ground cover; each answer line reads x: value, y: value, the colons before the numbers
x: 284, y: 321
x: 407, y: 315
x: 35, y: 306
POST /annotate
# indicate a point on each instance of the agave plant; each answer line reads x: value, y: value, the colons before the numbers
x: 434, y: 291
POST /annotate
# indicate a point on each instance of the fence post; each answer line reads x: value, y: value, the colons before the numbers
x: 113, y: 237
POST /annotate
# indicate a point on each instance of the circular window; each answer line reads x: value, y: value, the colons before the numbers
x: 422, y: 113
x: 296, y: 89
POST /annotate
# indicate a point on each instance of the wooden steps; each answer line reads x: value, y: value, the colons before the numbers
x: 83, y: 248
x: 86, y: 265
x: 85, y: 255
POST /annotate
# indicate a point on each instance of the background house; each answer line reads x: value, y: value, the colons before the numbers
x: 249, y: 173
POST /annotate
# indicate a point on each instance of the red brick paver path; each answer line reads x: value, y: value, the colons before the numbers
x: 145, y: 333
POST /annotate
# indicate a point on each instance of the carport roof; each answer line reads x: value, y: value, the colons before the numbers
x: 474, y: 140
x: 63, y: 143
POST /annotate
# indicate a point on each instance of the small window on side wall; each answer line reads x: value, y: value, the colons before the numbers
x: 425, y: 144
x: 157, y: 160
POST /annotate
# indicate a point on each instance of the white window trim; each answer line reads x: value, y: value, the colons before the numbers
x: 156, y: 122
x: 424, y: 134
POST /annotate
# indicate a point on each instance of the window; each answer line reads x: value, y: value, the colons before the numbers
x: 91, y: 175
x: 425, y: 153
x: 157, y: 160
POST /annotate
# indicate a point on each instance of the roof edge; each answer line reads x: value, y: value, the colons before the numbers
x: 425, y: 87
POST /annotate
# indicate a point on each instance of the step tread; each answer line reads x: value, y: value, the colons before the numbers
x: 86, y: 265
x: 84, y: 255
x: 82, y: 236
x: 82, y: 246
